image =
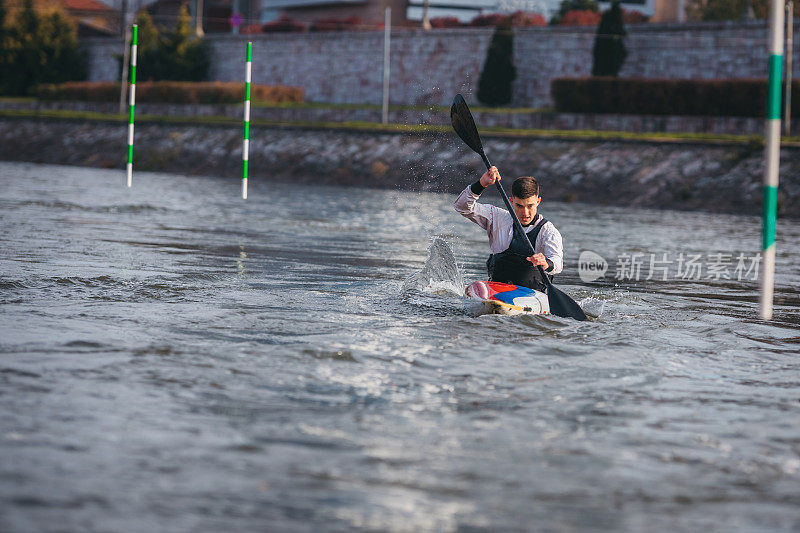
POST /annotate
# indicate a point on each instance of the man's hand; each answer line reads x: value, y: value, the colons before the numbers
x: 538, y: 260
x: 490, y: 177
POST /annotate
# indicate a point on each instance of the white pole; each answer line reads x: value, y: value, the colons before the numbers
x: 387, y: 37
x: 246, y: 143
x: 787, y: 110
x: 773, y: 134
x: 199, y: 19
x: 133, y: 102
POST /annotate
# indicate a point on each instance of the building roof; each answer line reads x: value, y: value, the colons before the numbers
x: 288, y: 4
x: 85, y: 6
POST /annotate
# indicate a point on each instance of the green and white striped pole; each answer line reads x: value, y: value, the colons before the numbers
x: 133, y: 103
x: 246, y: 143
x: 773, y: 133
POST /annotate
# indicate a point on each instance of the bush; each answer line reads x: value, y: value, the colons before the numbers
x: 445, y: 22
x: 574, y: 5
x: 335, y: 24
x: 176, y: 54
x: 633, y: 17
x: 609, y: 51
x: 577, y: 17
x: 726, y: 9
x: 285, y: 24
x: 493, y: 19
x: 525, y: 19
x: 728, y: 97
x: 499, y: 72
x: 183, y: 56
x: 172, y: 92
x: 251, y: 29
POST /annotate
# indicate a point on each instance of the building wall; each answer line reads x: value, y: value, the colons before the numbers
x: 668, y: 11
x: 430, y: 67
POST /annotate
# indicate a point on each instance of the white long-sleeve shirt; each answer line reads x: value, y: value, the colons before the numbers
x: 499, y: 226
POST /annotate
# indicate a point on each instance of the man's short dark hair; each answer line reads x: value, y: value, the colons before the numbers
x: 525, y: 187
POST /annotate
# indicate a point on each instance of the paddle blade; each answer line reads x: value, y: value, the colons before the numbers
x: 464, y: 124
x: 562, y: 305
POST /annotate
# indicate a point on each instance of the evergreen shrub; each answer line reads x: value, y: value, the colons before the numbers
x: 173, y: 92
x: 37, y: 47
x: 499, y: 72
x: 175, y: 54
x: 609, y: 53
x: 740, y: 97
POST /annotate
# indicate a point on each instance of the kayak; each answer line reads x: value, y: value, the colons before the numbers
x: 506, y: 299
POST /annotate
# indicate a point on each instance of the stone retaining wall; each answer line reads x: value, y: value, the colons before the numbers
x: 430, y: 67
x: 717, y: 178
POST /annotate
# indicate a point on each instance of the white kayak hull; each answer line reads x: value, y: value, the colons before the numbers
x: 490, y: 297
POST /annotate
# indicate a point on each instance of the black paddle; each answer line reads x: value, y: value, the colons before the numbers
x: 560, y: 304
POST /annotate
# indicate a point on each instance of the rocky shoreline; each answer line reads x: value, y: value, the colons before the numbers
x: 685, y: 176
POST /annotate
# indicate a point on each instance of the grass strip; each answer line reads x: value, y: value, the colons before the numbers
x: 754, y: 141
x: 401, y: 107
x: 325, y: 105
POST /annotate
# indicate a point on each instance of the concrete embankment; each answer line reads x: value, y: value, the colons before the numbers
x: 677, y: 175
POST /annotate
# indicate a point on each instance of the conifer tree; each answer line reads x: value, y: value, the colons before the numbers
x: 175, y: 54
x: 573, y: 5
x: 609, y: 47
x: 185, y: 55
x: 59, y: 47
x: 4, y: 51
x: 499, y: 72
x: 38, y: 49
x: 148, y: 61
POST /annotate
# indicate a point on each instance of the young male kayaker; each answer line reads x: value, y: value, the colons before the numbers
x: 511, y: 261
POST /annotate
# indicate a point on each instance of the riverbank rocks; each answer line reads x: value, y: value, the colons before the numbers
x: 700, y: 176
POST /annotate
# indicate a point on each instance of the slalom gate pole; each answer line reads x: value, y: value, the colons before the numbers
x: 772, y: 155
x: 246, y: 142
x: 133, y: 102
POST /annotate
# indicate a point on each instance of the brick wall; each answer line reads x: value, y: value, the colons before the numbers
x: 430, y: 67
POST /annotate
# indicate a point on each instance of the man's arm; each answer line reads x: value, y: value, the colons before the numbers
x: 551, y: 255
x: 467, y: 202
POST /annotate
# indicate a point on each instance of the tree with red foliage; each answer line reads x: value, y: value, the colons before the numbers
x: 573, y: 5
x: 250, y: 29
x: 492, y: 19
x: 445, y: 22
x: 577, y: 17
x: 526, y: 19
x: 335, y: 24
x: 633, y: 16
x: 285, y: 24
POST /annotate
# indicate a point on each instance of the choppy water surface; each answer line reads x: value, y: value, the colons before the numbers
x: 175, y: 358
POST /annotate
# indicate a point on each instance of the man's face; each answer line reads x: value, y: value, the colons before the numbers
x: 525, y: 208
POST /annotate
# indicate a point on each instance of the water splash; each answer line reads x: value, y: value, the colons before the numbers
x: 440, y: 275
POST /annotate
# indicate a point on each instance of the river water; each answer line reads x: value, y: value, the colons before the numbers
x: 173, y: 358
